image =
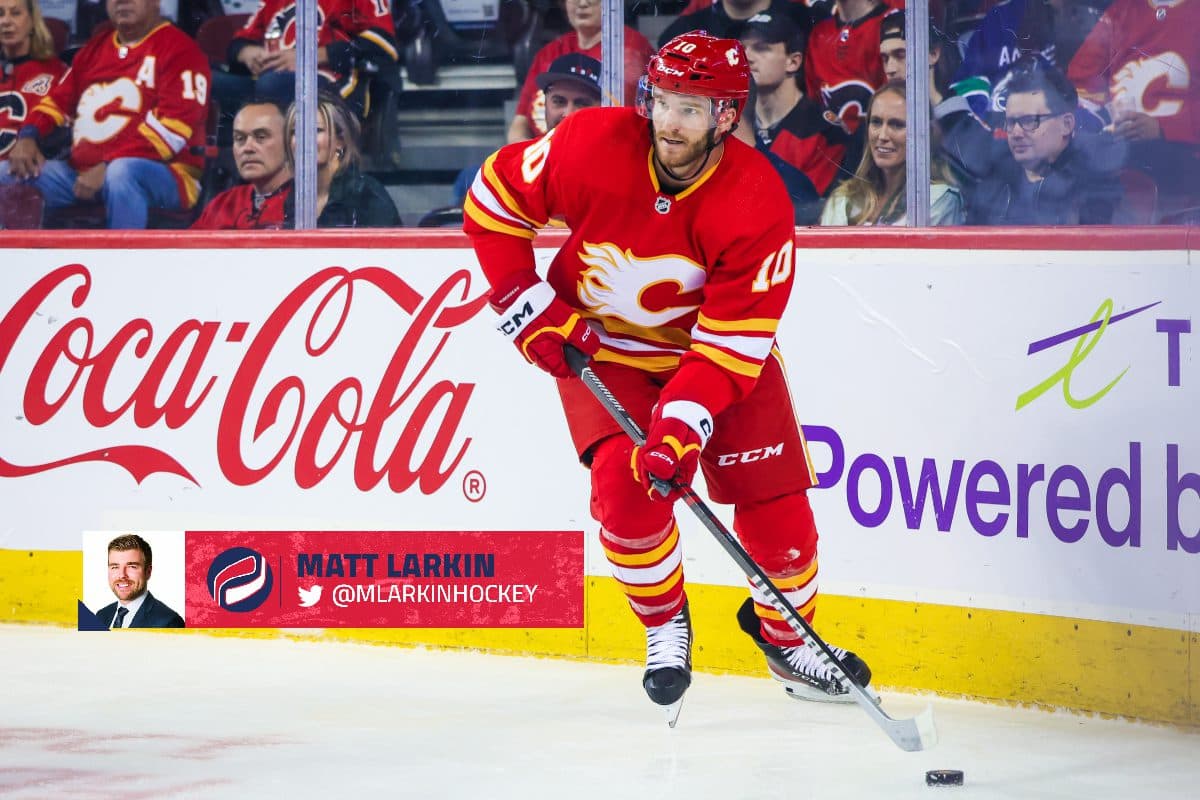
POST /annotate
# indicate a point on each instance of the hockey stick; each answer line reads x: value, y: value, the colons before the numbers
x: 910, y: 735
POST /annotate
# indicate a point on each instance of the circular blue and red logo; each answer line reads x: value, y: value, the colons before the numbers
x: 240, y: 579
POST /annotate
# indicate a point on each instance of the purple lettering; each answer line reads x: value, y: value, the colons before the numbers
x: 821, y: 433
x: 1027, y: 476
x: 1131, y: 482
x: 977, y: 496
x: 1056, y: 502
x: 869, y: 519
x: 928, y: 487
x: 1173, y: 328
x: 1177, y: 485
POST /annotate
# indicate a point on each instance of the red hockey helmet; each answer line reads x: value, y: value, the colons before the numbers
x: 698, y: 64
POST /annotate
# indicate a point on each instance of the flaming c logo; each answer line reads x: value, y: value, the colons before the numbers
x: 240, y: 579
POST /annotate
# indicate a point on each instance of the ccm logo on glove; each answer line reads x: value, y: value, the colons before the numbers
x: 540, y: 324
x: 678, y: 432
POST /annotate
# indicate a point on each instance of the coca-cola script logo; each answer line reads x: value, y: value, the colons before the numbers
x: 177, y: 379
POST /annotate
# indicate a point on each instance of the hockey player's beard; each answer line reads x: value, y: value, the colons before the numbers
x: 677, y: 165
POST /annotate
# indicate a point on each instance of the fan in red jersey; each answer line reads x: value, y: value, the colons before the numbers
x: 137, y: 100
x: 28, y: 66
x: 1140, y: 66
x: 842, y: 65
x: 260, y: 154
x: 676, y: 270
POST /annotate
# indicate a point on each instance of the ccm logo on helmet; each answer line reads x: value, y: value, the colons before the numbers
x: 750, y: 456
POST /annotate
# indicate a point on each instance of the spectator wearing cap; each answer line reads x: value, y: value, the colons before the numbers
x: 893, y: 51
x: 1049, y: 172
x: 570, y: 83
x: 785, y: 124
x: 584, y: 37
x: 726, y: 19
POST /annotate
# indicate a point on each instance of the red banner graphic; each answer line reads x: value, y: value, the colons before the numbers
x: 384, y: 579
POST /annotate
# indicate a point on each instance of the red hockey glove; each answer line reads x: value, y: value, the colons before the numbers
x: 539, y: 323
x: 678, y: 432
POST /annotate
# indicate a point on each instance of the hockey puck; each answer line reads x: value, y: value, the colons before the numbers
x: 944, y: 777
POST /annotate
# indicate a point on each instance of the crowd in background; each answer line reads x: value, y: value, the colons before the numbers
x: 1043, y: 112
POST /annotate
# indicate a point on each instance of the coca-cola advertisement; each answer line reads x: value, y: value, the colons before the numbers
x: 267, y: 389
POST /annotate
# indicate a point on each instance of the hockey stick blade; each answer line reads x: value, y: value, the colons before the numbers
x: 910, y: 735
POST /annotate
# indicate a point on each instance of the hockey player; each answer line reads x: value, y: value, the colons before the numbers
x: 676, y: 271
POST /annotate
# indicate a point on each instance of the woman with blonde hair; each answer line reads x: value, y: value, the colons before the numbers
x: 346, y: 198
x: 29, y: 66
x: 875, y: 194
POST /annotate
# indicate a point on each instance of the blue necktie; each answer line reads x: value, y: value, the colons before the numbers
x: 121, y: 612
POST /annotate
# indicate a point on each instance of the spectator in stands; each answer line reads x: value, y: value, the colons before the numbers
x: 260, y: 153
x: 29, y: 66
x: 1052, y: 174
x: 147, y: 156
x: 1009, y: 32
x: 783, y: 123
x: 894, y: 53
x: 346, y: 198
x: 843, y: 67
x: 726, y: 19
x: 354, y: 39
x: 1139, y: 69
x: 570, y: 83
x: 584, y: 37
x: 876, y: 195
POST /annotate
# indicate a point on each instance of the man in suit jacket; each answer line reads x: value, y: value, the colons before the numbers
x: 130, y: 562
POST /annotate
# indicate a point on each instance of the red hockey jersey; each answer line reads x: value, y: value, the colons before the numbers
x: 366, y: 23
x: 148, y: 99
x: 1144, y: 55
x: 695, y: 281
x: 843, y: 68
x: 234, y: 209
x: 23, y: 84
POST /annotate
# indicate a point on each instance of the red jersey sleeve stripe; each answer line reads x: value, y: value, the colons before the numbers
x: 759, y: 324
x: 162, y: 148
x: 51, y: 109
x: 484, y: 220
x: 728, y: 361
x: 755, y: 348
x: 488, y: 176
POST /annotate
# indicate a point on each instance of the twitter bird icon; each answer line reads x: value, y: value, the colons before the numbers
x: 310, y: 597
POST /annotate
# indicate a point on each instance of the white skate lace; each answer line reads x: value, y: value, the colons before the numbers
x: 803, y: 660
x: 667, y: 644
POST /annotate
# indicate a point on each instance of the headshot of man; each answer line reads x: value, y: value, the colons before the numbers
x: 130, y: 563
x: 570, y: 83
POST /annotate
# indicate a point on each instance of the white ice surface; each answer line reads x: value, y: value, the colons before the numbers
x: 161, y: 715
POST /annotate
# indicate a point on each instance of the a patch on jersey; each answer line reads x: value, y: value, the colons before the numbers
x: 662, y: 204
x: 39, y: 85
x: 648, y: 292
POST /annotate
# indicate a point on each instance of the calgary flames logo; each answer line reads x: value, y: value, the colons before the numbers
x: 642, y: 291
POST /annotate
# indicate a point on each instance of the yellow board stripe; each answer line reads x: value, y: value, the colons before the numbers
x: 723, y: 359
x: 485, y: 220
x: 955, y: 651
x: 642, y: 559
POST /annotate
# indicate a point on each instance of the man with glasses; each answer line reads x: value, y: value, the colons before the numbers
x: 674, y: 276
x: 1050, y: 174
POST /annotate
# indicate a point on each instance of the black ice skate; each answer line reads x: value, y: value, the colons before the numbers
x: 800, y: 669
x: 669, y: 662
